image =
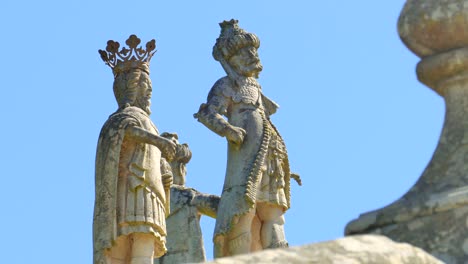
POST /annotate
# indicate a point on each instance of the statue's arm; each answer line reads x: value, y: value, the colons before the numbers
x: 206, y: 204
x: 167, y: 147
x: 210, y: 115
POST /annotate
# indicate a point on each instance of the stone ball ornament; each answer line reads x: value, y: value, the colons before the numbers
x: 428, y: 27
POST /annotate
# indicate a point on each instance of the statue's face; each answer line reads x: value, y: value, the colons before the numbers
x: 246, y: 62
x: 179, y: 171
x: 144, y: 92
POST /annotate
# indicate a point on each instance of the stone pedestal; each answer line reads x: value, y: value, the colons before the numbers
x: 433, y: 214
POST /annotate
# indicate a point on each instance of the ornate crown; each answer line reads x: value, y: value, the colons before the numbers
x: 133, y: 58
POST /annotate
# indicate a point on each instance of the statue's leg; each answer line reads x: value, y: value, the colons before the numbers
x: 272, y: 232
x: 142, y: 248
x: 240, y: 236
x: 119, y: 253
x: 255, y: 231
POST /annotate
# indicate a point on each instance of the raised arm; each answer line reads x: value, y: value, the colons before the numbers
x: 167, y: 147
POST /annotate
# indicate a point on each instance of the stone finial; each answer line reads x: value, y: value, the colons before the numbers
x: 432, y: 214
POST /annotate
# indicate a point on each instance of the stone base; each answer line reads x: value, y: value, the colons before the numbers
x: 443, y: 235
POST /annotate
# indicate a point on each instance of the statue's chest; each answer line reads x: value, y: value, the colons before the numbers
x: 143, y: 153
x: 247, y: 94
x: 148, y: 125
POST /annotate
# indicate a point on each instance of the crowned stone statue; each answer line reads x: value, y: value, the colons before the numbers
x: 133, y: 175
x: 256, y: 190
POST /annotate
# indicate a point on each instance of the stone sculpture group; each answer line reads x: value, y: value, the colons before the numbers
x: 144, y: 211
x: 140, y: 174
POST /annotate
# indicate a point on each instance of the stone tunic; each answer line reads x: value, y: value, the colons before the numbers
x: 140, y: 192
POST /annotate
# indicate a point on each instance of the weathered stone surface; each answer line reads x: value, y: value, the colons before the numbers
x: 350, y: 250
x: 433, y: 26
x: 443, y: 235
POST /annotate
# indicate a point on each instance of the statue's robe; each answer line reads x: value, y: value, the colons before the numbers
x: 130, y: 196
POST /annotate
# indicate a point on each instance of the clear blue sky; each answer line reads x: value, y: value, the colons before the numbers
x: 358, y: 125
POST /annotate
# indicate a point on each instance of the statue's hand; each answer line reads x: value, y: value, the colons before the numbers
x: 167, y: 180
x: 235, y: 135
x: 168, y: 148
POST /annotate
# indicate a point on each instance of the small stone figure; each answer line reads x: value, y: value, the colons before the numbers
x: 256, y: 190
x: 179, y: 164
x: 184, y: 236
x: 132, y: 174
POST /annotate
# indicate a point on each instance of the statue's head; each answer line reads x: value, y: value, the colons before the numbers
x: 132, y: 85
x: 133, y: 88
x: 182, y: 157
x: 236, y: 50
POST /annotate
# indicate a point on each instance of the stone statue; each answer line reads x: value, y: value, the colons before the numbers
x: 256, y: 190
x: 132, y: 174
x: 184, y: 236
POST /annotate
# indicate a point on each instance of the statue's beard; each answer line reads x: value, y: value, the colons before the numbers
x: 145, y: 105
x: 253, y: 70
x: 147, y: 110
x: 258, y: 69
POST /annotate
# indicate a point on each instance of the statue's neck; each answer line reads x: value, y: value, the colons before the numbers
x: 137, y: 109
x: 242, y: 81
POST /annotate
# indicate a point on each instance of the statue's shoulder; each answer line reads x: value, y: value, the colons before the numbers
x: 222, y: 87
x: 133, y: 111
x: 181, y: 195
x: 123, y: 117
x: 130, y: 112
